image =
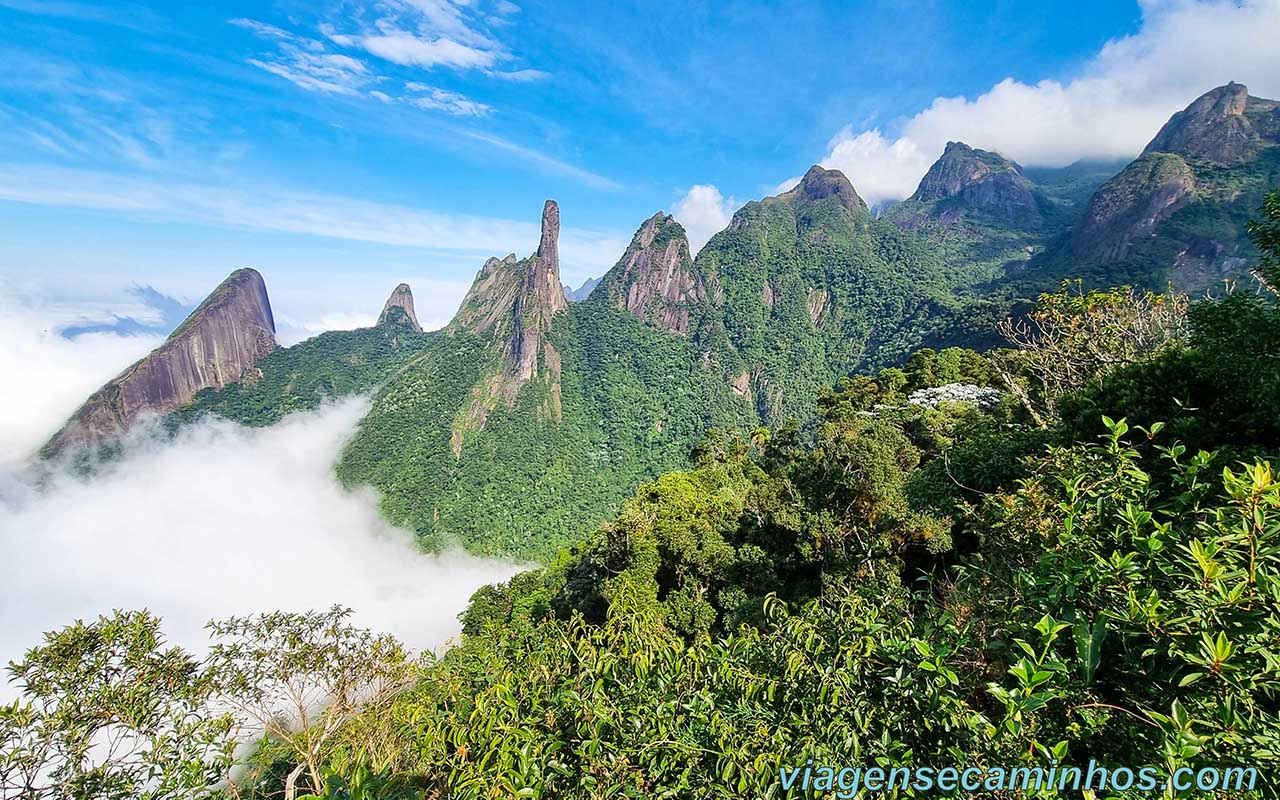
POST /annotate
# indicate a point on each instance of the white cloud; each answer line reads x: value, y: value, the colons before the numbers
x: 879, y: 169
x: 433, y: 33
x: 520, y: 75
x: 263, y: 29
x: 44, y: 377
x: 223, y: 520
x: 263, y: 208
x: 703, y: 212
x: 436, y: 99
x: 331, y: 73
x: 1112, y: 109
x: 409, y: 50
x: 306, y: 63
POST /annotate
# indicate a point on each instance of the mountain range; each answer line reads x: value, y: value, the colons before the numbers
x: 537, y: 409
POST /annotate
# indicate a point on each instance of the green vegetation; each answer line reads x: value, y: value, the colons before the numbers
x: 1054, y: 577
x: 806, y: 292
x: 296, y: 378
x: 634, y: 401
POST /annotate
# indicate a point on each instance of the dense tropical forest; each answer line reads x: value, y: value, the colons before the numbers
x: 1061, y: 550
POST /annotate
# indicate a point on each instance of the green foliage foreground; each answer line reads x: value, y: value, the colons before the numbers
x: 1058, y: 576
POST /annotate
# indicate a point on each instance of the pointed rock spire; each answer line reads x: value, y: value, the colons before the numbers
x: 398, y: 310
x: 217, y: 344
x: 547, y: 292
x: 513, y: 302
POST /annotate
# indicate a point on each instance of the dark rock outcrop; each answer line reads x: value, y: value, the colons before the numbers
x: 819, y: 184
x: 1131, y: 205
x: 218, y: 344
x: 656, y: 279
x: 1224, y: 125
x: 398, y: 310
x: 1215, y: 126
x: 513, y: 302
x: 970, y: 181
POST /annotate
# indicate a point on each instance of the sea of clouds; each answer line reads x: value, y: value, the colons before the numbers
x: 221, y: 520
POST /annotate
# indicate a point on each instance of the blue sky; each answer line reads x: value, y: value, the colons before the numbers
x: 341, y: 147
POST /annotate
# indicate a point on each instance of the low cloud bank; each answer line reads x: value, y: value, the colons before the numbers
x: 44, y: 376
x: 221, y: 520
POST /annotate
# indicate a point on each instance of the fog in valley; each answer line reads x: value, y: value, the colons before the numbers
x: 221, y: 520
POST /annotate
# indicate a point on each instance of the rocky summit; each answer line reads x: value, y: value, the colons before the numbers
x: 820, y: 183
x: 398, y: 310
x: 512, y: 302
x: 220, y: 342
x: 1178, y: 210
x: 966, y: 180
x: 1224, y: 125
x: 656, y: 279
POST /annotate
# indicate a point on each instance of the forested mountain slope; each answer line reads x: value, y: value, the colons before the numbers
x: 1176, y: 214
x: 529, y: 418
x: 1062, y: 580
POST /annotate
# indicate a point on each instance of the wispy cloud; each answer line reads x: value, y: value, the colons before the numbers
x: 444, y: 100
x: 133, y: 17
x: 407, y: 49
x: 265, y: 208
x: 542, y: 160
x: 324, y: 72
x: 410, y: 33
x: 430, y: 33
x: 520, y: 75
x: 305, y: 62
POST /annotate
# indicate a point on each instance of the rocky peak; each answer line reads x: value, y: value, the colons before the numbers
x: 1215, y: 126
x: 545, y: 289
x: 965, y: 179
x: 398, y: 310
x: 819, y: 183
x: 656, y: 279
x: 513, y: 302
x: 217, y: 344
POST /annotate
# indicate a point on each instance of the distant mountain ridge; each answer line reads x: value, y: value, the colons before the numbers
x: 529, y: 417
x: 1176, y: 214
x: 582, y: 292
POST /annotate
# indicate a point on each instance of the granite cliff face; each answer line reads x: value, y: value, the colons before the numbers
x: 512, y: 303
x: 970, y: 181
x: 1131, y: 205
x: 1218, y: 126
x: 1215, y: 159
x: 218, y: 344
x: 656, y: 279
x: 398, y: 310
